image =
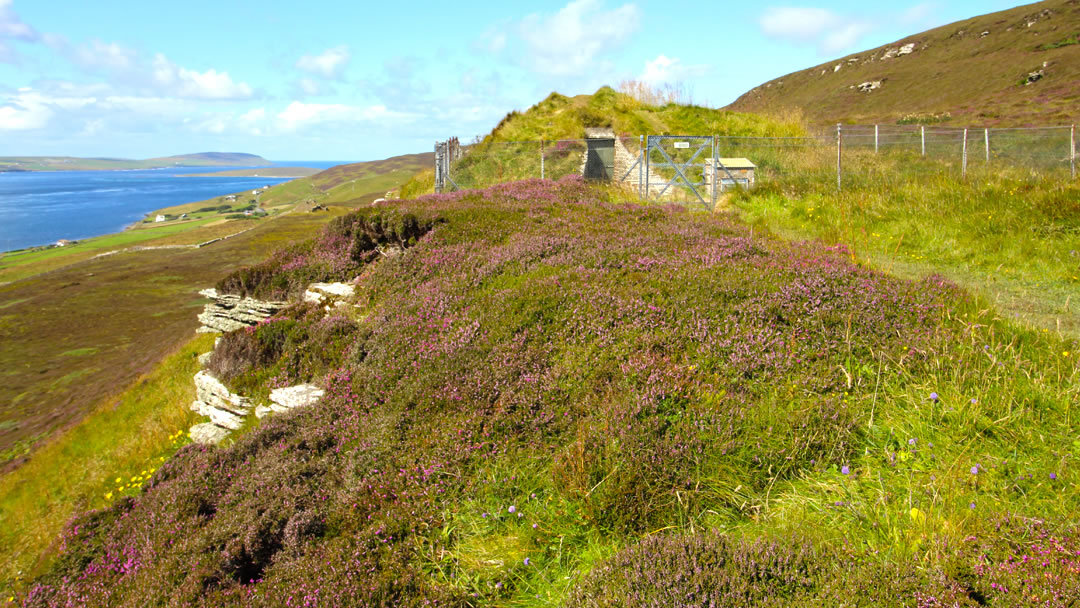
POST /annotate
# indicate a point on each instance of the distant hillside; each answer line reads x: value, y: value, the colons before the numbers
x: 1011, y: 68
x: 71, y: 163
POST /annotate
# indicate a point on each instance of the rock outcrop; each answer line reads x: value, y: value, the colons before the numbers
x: 322, y: 292
x: 229, y: 312
x: 285, y: 399
x: 225, y: 409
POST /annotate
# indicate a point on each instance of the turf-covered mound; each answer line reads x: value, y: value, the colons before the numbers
x: 535, y: 379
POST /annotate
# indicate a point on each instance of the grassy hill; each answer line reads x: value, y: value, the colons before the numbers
x: 974, y: 71
x: 512, y: 150
x: 69, y: 163
x: 551, y: 397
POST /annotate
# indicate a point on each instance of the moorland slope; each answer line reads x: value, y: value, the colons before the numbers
x: 544, y: 383
x: 1010, y: 68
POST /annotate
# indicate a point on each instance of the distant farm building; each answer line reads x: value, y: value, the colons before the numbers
x: 63, y: 243
x: 160, y: 218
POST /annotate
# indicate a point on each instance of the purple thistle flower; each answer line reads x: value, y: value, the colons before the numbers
x: 933, y: 396
x: 845, y: 470
x: 974, y: 401
x: 971, y: 506
x: 512, y: 508
x: 975, y: 470
x: 1053, y: 476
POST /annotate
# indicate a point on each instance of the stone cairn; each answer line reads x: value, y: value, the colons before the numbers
x: 226, y: 410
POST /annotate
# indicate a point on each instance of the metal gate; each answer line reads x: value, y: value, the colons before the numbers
x: 681, y: 162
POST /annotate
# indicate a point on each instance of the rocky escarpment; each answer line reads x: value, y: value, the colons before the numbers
x: 227, y: 312
x: 228, y: 411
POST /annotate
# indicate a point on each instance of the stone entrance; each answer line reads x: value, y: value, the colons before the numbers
x: 599, y: 154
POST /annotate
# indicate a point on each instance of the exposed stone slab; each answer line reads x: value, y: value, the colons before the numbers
x: 208, y: 433
x: 204, y: 359
x: 295, y: 396
x: 262, y: 411
x: 320, y: 292
x: 211, y: 391
x: 227, y: 312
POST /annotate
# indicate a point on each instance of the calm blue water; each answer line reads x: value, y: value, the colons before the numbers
x: 41, y: 208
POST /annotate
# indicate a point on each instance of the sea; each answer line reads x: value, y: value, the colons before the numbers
x: 40, y: 208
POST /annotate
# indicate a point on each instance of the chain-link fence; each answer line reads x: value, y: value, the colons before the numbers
x: 697, y: 169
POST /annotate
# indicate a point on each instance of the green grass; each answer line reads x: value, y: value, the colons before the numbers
x: 21, y: 264
x: 123, y: 438
x: 1009, y: 235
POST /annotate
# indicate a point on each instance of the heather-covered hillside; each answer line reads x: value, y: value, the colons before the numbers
x: 543, y: 396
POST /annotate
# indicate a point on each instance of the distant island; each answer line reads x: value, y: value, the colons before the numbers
x: 70, y: 163
x: 264, y: 172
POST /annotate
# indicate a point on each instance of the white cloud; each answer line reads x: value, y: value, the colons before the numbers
x: 573, y: 40
x: 29, y: 109
x: 98, y: 55
x: 299, y: 114
x: 829, y: 31
x: 12, y: 27
x: 329, y: 64
x: 211, y: 84
x: 666, y: 69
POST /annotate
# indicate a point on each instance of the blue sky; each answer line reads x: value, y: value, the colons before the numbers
x: 365, y: 80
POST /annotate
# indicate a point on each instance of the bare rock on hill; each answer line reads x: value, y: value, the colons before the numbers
x: 227, y: 312
x: 204, y: 359
x: 208, y: 433
x: 212, y: 392
x: 1034, y: 77
x: 869, y: 85
x: 285, y: 399
x: 321, y: 292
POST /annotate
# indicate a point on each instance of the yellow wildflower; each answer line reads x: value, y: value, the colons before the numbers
x: 108, y: 495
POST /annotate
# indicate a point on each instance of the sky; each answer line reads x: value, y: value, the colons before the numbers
x: 369, y: 80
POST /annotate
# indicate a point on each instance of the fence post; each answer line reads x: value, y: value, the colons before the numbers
x: 922, y: 133
x: 839, y: 156
x: 647, y: 143
x: 986, y: 140
x: 715, y: 173
x: 641, y: 166
x: 875, y: 139
x: 541, y: 159
x: 1072, y: 150
x: 963, y: 170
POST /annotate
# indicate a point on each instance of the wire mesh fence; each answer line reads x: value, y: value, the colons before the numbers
x: 698, y: 168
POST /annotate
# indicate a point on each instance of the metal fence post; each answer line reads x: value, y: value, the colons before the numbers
x: 963, y: 169
x: 541, y: 159
x: 839, y: 156
x: 922, y: 132
x: 875, y: 139
x: 641, y: 165
x: 715, y: 173
x: 1072, y: 150
x: 648, y: 142
x: 986, y: 140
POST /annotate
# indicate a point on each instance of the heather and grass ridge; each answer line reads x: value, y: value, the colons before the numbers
x: 544, y: 395
x: 1017, y: 67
